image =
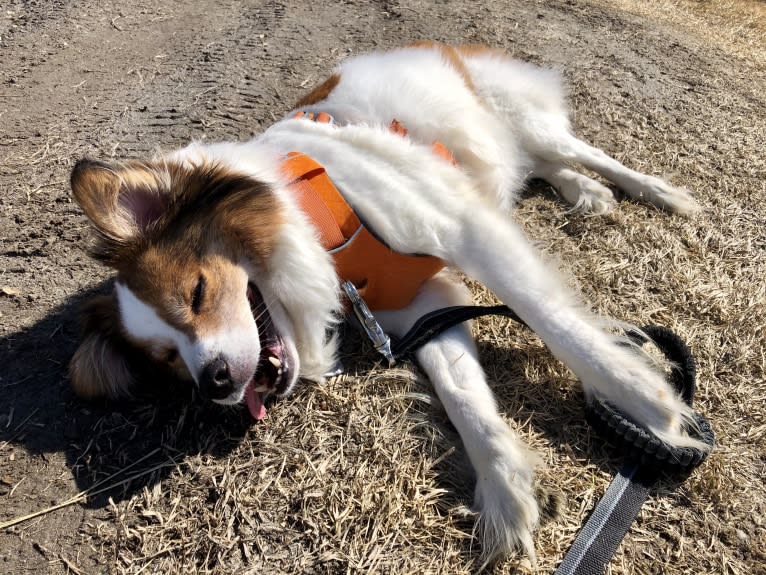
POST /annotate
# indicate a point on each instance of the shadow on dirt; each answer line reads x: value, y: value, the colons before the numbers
x: 116, y: 450
x: 104, y: 445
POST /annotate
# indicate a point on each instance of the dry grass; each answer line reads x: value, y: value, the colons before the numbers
x: 737, y: 27
x: 342, y: 478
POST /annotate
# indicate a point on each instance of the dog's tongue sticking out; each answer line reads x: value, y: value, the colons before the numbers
x: 255, y: 403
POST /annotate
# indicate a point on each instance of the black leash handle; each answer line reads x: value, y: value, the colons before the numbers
x: 640, y: 445
x: 636, y: 443
x: 647, y: 457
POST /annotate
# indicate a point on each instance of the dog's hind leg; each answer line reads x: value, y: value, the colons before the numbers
x: 584, y: 193
x: 530, y: 102
x: 649, y: 189
x: 505, y: 495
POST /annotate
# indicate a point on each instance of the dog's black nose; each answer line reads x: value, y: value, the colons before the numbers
x: 215, y: 381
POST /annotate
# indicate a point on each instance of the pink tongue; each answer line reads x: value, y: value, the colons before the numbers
x: 254, y: 403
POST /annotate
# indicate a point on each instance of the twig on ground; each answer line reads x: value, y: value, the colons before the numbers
x: 91, y: 491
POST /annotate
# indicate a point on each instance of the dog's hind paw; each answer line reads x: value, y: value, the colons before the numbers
x: 661, y: 194
x: 585, y: 194
x: 590, y: 197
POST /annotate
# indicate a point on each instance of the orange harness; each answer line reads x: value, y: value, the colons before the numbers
x: 384, y: 278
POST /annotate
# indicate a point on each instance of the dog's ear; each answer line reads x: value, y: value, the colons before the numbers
x: 100, y: 366
x: 121, y: 201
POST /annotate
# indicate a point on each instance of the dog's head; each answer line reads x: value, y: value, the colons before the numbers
x: 196, y: 249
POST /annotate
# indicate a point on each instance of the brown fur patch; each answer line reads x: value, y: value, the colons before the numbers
x: 108, y: 195
x: 139, y: 204
x: 480, y: 50
x: 319, y: 93
x: 451, y: 55
x: 166, y: 280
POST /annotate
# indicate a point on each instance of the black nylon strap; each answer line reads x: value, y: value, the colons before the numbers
x: 440, y: 320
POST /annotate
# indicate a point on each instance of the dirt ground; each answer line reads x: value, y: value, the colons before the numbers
x: 365, y: 474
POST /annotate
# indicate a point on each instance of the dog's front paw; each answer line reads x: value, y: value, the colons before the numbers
x: 507, y: 508
x: 639, y: 389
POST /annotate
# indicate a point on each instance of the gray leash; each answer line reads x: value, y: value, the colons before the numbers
x: 607, y: 525
x: 648, y: 460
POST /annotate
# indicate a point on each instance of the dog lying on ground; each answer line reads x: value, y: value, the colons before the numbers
x: 229, y: 255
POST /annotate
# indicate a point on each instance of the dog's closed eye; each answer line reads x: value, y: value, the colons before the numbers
x: 198, y: 295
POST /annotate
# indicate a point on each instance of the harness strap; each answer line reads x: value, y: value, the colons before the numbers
x: 317, y: 195
x: 437, y: 147
x: 385, y: 278
x: 395, y: 127
x: 438, y: 321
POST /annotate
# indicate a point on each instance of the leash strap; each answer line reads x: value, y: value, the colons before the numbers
x: 602, y: 533
x: 437, y: 322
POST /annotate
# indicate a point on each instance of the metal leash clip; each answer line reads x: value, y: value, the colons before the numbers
x: 368, y: 322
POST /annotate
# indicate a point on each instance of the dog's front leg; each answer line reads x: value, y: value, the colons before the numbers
x: 494, y: 251
x: 505, y: 495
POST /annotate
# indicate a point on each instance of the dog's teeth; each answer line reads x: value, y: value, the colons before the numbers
x: 274, y: 361
x: 261, y: 388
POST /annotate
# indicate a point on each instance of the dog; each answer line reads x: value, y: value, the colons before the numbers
x: 229, y: 256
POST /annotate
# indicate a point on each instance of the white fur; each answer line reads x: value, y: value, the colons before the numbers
x: 505, y: 499
x: 514, y: 125
x: 143, y: 324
